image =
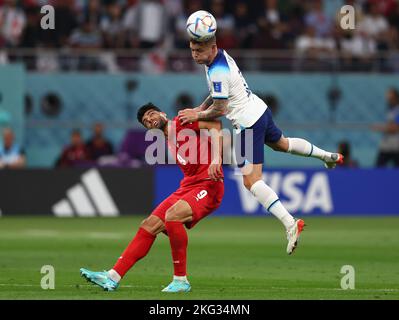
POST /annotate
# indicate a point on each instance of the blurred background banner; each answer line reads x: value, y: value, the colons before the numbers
x: 111, y: 192
x: 304, y: 191
x: 76, y: 192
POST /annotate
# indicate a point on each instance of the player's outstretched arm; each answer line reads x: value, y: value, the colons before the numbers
x: 217, y: 109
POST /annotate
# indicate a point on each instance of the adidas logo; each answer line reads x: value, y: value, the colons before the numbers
x: 87, y: 199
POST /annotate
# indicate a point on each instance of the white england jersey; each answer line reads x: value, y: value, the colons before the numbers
x: 225, y: 81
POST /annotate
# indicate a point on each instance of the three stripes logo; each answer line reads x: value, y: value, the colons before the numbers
x: 87, y: 199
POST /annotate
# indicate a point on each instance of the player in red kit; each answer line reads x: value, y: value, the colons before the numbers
x: 200, y: 193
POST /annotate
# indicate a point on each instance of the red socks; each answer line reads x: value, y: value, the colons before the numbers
x: 142, y: 242
x: 178, y: 242
x: 137, y: 249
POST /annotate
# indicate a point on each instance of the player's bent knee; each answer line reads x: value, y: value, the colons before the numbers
x: 283, y: 144
x: 277, y: 148
x: 153, y: 225
x: 249, y: 181
x: 173, y: 215
x: 176, y: 215
x: 247, y: 184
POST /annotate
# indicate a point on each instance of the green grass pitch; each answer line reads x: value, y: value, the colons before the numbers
x: 228, y: 258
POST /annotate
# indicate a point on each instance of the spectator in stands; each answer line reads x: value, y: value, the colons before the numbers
x: 374, y: 26
x: 11, y: 154
x: 310, y: 45
x: 389, y: 146
x: 31, y: 34
x: 275, y: 19
x: 264, y: 37
x: 130, y: 24
x: 294, y: 13
x: 112, y: 27
x: 245, y: 24
x: 393, y: 17
x: 316, y: 18
x: 393, y: 40
x: 391, y: 63
x: 92, y: 13
x: 313, y: 51
x: 271, y: 11
x: 385, y: 7
x: 173, y: 7
x: 66, y: 21
x: 224, y: 19
x: 180, y: 32
x: 344, y: 148
x: 152, y: 23
x: 75, y: 152
x: 12, y: 23
x: 98, y: 145
x: 226, y: 23
x: 159, y: 24
x: 86, y: 37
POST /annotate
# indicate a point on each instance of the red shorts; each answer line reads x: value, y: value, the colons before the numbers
x: 203, y: 197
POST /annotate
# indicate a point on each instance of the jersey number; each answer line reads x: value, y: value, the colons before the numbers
x: 201, y: 195
x: 181, y: 160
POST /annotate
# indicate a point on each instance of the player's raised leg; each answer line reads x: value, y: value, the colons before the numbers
x: 265, y: 195
x: 136, y: 250
x: 275, y: 139
x: 302, y: 147
x: 175, y: 218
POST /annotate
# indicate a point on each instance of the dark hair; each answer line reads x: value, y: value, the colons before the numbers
x: 143, y: 109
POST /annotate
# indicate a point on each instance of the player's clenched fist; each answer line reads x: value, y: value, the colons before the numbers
x: 187, y: 116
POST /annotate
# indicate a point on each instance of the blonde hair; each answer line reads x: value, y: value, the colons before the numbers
x: 207, y: 43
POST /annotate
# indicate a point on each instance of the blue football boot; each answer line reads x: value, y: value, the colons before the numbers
x: 178, y: 286
x: 101, y: 279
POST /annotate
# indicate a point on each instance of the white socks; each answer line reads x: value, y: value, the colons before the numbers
x: 305, y: 148
x: 114, y: 275
x: 269, y: 199
x: 180, y: 278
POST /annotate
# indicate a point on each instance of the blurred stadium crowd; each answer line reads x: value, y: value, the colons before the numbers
x: 309, y: 29
x: 149, y: 36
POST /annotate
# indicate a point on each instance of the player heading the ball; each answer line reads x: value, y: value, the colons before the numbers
x: 231, y: 96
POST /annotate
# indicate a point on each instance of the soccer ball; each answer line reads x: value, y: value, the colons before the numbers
x: 201, y: 25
